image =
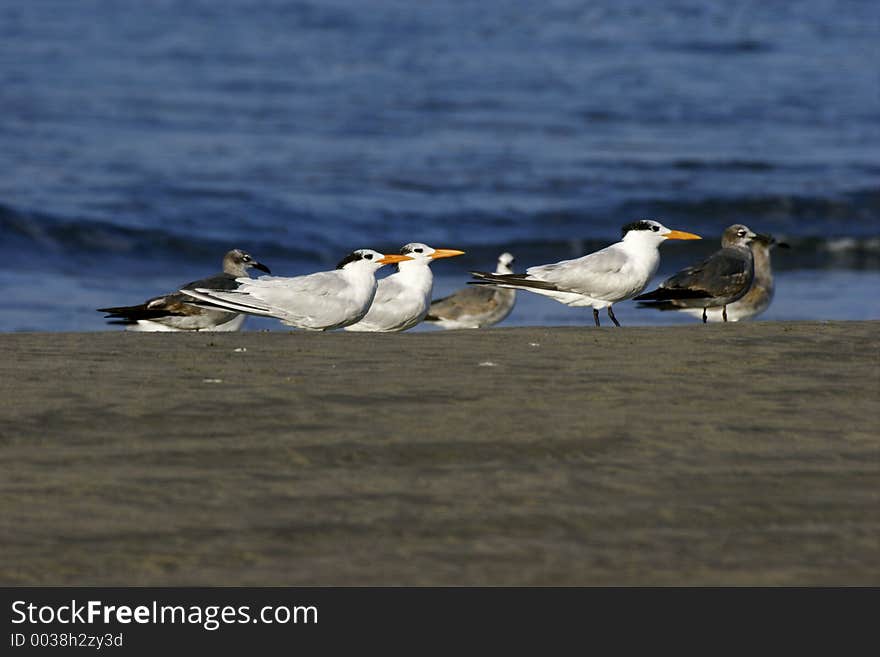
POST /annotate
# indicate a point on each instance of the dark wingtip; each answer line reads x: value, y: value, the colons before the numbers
x: 121, y: 311
x: 657, y: 305
x: 652, y: 295
x: 664, y: 293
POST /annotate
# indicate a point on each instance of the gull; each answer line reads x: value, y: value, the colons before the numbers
x: 615, y: 273
x: 752, y: 303
x: 402, y: 299
x: 175, y: 312
x: 475, y: 307
x: 716, y: 282
x: 318, y: 302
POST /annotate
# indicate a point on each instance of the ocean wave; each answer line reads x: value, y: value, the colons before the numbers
x: 840, y: 232
x: 718, y: 47
x: 61, y: 241
x: 856, y: 214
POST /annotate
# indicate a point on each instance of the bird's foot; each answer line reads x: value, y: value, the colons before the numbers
x: 613, y: 318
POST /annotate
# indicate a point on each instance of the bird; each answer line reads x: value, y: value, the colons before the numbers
x: 475, y: 307
x: 174, y: 312
x: 321, y: 301
x: 599, y: 280
x: 752, y: 303
x: 402, y: 299
x: 716, y: 282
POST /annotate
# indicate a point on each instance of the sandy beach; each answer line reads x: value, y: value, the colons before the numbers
x: 743, y: 454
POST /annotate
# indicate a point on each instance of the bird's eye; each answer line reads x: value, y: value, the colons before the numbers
x: 369, y: 256
x: 655, y: 228
x: 418, y: 250
x: 741, y: 233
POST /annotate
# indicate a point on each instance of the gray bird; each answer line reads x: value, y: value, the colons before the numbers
x: 475, y: 307
x: 175, y: 312
x: 752, y: 303
x: 716, y: 282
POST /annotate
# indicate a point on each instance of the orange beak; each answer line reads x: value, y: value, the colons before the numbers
x: 681, y: 235
x: 446, y: 253
x: 391, y: 258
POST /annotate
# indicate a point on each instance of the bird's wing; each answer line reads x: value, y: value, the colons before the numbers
x: 221, y: 281
x: 178, y: 303
x: 722, y: 274
x: 593, y: 275
x: 313, y: 299
x: 174, y: 304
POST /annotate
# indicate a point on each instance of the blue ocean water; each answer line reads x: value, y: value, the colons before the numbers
x: 141, y: 140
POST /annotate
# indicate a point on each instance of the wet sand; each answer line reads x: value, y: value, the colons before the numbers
x: 737, y: 454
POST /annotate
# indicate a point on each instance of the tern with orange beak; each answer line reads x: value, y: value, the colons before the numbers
x: 318, y: 302
x: 402, y: 299
x: 601, y: 279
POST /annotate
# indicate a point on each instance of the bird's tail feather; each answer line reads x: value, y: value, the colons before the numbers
x: 513, y: 281
x: 220, y: 300
x: 131, y: 314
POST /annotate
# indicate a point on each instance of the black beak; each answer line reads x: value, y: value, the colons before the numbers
x: 261, y: 267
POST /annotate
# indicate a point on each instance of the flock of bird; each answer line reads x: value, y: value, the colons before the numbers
x: 732, y: 284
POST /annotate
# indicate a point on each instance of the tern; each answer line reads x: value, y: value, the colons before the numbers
x: 716, y: 282
x: 752, y: 303
x: 171, y: 312
x: 402, y: 299
x: 475, y: 307
x: 321, y: 301
x: 601, y: 279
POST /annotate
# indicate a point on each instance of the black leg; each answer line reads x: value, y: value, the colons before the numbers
x: 724, y: 313
x: 704, y: 316
x: 596, y: 317
x: 613, y: 318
